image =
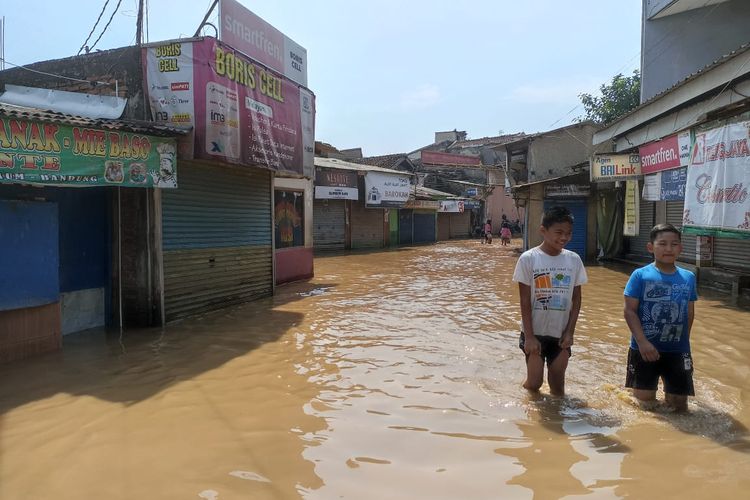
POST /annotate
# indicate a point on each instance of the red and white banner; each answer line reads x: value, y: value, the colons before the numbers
x: 716, y: 197
x: 438, y: 158
x: 670, y: 152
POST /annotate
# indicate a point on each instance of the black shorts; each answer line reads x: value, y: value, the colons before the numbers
x: 550, y: 347
x: 675, y: 368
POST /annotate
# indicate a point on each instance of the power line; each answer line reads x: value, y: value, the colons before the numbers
x: 95, y: 25
x: 54, y: 74
x: 654, y: 46
x: 108, y: 23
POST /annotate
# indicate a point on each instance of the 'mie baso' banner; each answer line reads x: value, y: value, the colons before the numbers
x: 44, y: 153
x: 242, y: 112
x: 716, y: 195
x: 384, y: 190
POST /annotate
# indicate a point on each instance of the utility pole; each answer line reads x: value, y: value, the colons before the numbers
x: 139, y: 24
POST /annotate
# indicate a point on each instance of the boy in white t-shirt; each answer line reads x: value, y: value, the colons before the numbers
x: 549, y: 282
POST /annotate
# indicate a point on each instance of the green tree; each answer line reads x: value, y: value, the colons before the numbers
x: 617, y: 98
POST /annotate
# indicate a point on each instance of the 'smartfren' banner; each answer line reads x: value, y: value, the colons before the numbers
x: 242, y: 112
x: 716, y: 195
x: 43, y: 153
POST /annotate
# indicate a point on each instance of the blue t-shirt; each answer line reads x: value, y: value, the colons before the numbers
x: 663, y: 306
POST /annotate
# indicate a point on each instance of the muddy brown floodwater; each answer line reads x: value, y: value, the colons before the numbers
x: 390, y: 375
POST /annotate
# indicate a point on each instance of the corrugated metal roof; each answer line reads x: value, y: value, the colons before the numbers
x: 692, y: 76
x: 347, y: 165
x: 137, y: 126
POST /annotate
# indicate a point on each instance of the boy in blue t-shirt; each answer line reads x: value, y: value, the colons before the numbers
x: 659, y: 310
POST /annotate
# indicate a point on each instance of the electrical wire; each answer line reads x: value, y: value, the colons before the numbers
x: 107, y: 26
x: 54, y: 74
x: 92, y: 29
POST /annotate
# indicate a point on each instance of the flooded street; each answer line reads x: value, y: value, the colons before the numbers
x: 390, y: 375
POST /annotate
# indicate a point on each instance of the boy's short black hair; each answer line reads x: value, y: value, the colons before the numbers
x: 554, y: 215
x: 663, y: 228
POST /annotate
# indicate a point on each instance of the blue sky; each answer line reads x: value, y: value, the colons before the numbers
x: 388, y: 74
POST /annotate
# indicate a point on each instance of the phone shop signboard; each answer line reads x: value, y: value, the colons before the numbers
x: 241, y: 111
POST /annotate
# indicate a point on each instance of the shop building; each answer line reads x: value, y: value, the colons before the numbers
x: 77, y: 217
x: 689, y: 134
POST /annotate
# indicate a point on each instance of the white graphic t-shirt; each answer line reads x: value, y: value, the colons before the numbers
x: 552, y: 279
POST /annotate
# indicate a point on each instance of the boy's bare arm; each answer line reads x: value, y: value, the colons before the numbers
x: 531, y: 344
x: 575, y: 308
x: 691, y: 315
x: 646, y: 348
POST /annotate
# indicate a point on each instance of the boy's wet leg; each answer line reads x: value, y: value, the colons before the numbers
x: 556, y: 373
x: 534, y: 373
x: 677, y: 402
x: 646, y: 398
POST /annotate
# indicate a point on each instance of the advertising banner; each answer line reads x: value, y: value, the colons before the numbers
x: 336, y: 185
x: 660, y: 155
x: 632, y: 205
x: 241, y: 112
x: 452, y: 206
x: 652, y: 187
x: 423, y: 204
x: 254, y: 37
x: 567, y: 190
x: 33, y: 152
x: 673, y: 184
x: 716, y: 194
x: 289, y: 218
x: 612, y: 167
x: 386, y: 190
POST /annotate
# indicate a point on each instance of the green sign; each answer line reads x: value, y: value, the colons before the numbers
x: 34, y: 152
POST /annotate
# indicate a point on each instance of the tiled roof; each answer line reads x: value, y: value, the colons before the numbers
x: 498, y: 139
x: 137, y: 126
x: 384, y: 161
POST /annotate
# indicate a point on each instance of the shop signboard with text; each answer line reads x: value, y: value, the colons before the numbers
x: 241, y: 111
x: 452, y: 206
x: 41, y: 153
x: 331, y: 184
x: 384, y: 190
x: 716, y: 192
x: 254, y: 37
x: 614, y: 167
x: 668, y: 153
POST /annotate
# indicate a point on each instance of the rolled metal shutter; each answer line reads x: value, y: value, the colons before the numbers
x: 329, y: 225
x: 217, y: 239
x: 646, y: 216
x: 674, y: 217
x: 444, y: 226
x: 405, y: 226
x: 461, y: 225
x: 424, y: 227
x: 367, y: 226
x: 732, y: 253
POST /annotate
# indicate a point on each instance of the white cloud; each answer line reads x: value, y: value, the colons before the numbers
x: 555, y: 92
x: 423, y: 97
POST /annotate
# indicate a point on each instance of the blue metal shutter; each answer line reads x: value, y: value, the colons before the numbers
x: 579, y: 210
x: 217, y: 237
x: 405, y: 226
x: 424, y: 227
